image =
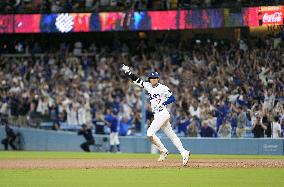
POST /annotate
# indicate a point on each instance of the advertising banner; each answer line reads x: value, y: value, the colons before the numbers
x: 142, y: 21
x: 273, y: 15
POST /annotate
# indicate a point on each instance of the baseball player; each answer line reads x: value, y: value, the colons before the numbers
x: 160, y: 97
x: 112, y: 121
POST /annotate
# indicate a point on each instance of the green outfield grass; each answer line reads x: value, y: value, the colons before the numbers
x: 168, y: 177
x: 142, y: 177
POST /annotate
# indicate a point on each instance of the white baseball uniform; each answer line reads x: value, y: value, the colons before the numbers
x: 158, y: 95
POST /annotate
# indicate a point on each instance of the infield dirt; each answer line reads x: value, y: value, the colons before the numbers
x: 138, y: 163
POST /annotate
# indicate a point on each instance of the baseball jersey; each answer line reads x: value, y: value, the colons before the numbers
x: 113, y: 120
x: 157, y: 95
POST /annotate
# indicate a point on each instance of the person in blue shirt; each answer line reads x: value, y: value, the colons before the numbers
x: 124, y: 124
x: 182, y: 123
x: 221, y: 112
x: 111, y: 120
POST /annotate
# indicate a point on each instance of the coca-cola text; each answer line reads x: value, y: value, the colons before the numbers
x: 276, y: 17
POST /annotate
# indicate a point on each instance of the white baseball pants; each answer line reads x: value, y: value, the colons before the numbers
x: 161, y: 121
x: 113, y: 138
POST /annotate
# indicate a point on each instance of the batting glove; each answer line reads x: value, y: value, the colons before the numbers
x: 126, y: 69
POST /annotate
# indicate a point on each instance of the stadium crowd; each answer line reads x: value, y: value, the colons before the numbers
x: 45, y: 6
x: 221, y: 90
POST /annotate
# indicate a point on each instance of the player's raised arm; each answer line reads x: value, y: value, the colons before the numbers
x: 136, y: 80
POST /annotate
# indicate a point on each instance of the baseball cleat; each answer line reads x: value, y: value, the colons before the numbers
x: 163, y: 156
x: 185, y: 158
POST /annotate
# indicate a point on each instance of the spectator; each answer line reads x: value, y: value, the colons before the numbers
x: 194, y: 109
x: 14, y: 103
x: 137, y: 122
x: 91, y: 4
x: 255, y: 112
x: 83, y: 111
x: 258, y: 128
x: 42, y: 105
x: 192, y: 130
x: 221, y: 112
x: 207, y: 131
x: 100, y: 123
x: 4, y: 107
x: 182, y: 123
x: 72, y: 114
x: 222, y: 85
x: 34, y: 117
x: 24, y: 108
x: 276, y: 128
x: 77, y: 51
x: 241, y: 123
x: 269, y: 100
x: 266, y: 122
x: 124, y: 125
x: 225, y: 130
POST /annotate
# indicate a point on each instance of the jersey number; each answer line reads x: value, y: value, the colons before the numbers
x: 158, y: 101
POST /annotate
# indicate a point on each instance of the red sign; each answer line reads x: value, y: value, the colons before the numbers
x: 273, y: 18
x: 271, y: 15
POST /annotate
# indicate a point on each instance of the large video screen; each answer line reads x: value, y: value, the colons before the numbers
x: 26, y: 23
x: 141, y: 21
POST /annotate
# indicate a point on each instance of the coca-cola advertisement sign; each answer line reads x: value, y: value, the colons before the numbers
x: 272, y: 18
x: 271, y: 15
